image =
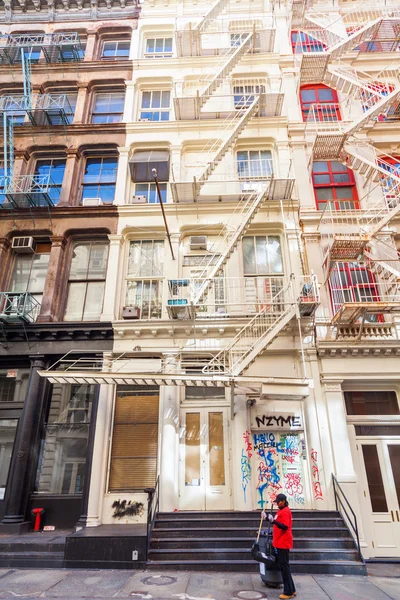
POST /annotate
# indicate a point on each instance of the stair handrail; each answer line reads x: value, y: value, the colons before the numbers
x: 152, y: 510
x: 341, y: 508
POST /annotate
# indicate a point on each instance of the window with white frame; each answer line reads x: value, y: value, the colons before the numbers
x: 115, y: 49
x: 159, y: 47
x: 145, y: 277
x: 30, y: 271
x: 254, y: 164
x: 263, y: 270
x: 262, y: 255
x: 156, y: 105
x: 100, y: 178
x: 86, y: 282
x: 149, y: 191
x: 108, y: 107
x: 244, y: 95
x: 237, y: 39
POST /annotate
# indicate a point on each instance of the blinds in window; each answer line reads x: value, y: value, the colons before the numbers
x: 135, y: 443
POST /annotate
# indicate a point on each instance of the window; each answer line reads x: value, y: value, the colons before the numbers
x: 155, y: 105
x: 391, y: 164
x: 51, y: 170
x: 7, y: 388
x: 13, y: 101
x: 243, y: 95
x: 303, y: 43
x: 334, y: 184
x: 8, y: 430
x: 262, y: 255
x: 254, y: 164
x: 30, y: 270
x: 352, y: 282
x: 62, y: 461
x: 2, y: 185
x: 86, y: 282
x: 108, y: 107
x: 149, y: 190
x: 324, y: 101
x: 116, y: 49
x: 145, y: 277
x: 65, y: 115
x: 237, y: 39
x: 134, y: 457
x: 371, y: 403
x: 158, y: 48
x: 99, y: 178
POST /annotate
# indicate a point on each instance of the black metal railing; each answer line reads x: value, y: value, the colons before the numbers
x: 152, y: 510
x: 343, y: 506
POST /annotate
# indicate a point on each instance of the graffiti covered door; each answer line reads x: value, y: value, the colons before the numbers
x: 278, y: 467
x: 203, y: 460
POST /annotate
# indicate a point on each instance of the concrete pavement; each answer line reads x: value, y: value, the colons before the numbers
x: 383, y: 583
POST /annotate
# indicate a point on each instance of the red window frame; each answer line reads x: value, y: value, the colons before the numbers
x: 351, y: 282
x: 308, y: 43
x: 332, y: 175
x: 394, y: 161
x: 322, y: 116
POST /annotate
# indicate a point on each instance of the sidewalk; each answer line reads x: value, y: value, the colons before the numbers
x: 65, y: 584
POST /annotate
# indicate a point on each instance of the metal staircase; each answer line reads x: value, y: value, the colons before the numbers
x: 265, y: 326
x: 217, y: 149
x: 188, y: 41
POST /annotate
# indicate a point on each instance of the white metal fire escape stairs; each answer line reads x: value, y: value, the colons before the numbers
x: 188, y: 41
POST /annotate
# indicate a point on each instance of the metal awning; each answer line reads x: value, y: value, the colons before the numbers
x: 144, y: 161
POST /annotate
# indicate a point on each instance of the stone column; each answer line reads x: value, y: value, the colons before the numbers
x: 171, y: 266
x: 90, y: 47
x: 303, y: 184
x: 5, y: 255
x: 292, y: 101
x: 70, y: 176
x: 169, y: 455
x: 18, y: 489
x: 123, y: 177
x: 129, y: 102
x: 111, y: 304
x: 244, y: 481
x: 80, y: 108
x: 20, y: 161
x: 53, y: 283
x: 89, y: 461
x: 100, y: 455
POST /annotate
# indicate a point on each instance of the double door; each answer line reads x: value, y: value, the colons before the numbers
x: 203, y: 462
x: 379, y: 460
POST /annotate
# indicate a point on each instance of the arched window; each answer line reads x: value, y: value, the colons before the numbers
x: 325, y: 102
x: 303, y: 43
x: 334, y: 183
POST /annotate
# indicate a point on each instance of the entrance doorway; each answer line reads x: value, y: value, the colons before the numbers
x: 380, y: 466
x: 203, y: 457
x: 278, y: 467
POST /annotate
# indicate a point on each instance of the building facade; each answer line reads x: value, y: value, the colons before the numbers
x: 254, y: 312
x: 63, y: 69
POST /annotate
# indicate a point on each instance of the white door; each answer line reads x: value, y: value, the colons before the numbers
x: 278, y: 466
x: 204, y: 472
x: 380, y: 464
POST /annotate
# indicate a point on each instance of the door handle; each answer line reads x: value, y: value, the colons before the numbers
x: 391, y: 512
x: 397, y: 515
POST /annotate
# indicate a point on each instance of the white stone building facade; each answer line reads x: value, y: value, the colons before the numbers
x: 274, y: 131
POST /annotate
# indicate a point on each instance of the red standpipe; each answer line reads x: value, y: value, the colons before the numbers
x: 37, y: 513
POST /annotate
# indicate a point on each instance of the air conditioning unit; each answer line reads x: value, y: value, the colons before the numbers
x: 198, y: 242
x: 139, y: 200
x: 143, y: 120
x: 131, y: 312
x: 249, y: 187
x: 23, y: 245
x: 92, y: 202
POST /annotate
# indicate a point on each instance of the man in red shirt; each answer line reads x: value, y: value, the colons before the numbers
x: 282, y: 541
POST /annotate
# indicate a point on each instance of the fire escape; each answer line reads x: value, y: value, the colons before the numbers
x: 29, y: 191
x: 357, y: 235
x: 221, y: 97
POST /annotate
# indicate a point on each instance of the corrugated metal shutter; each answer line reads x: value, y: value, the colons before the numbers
x: 135, y: 443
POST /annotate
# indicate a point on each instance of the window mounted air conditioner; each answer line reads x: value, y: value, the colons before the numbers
x: 23, y: 245
x: 92, y: 202
x: 198, y: 242
x: 143, y: 120
x: 131, y: 312
x: 139, y: 200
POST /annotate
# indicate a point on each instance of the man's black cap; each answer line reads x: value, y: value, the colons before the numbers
x: 279, y: 498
